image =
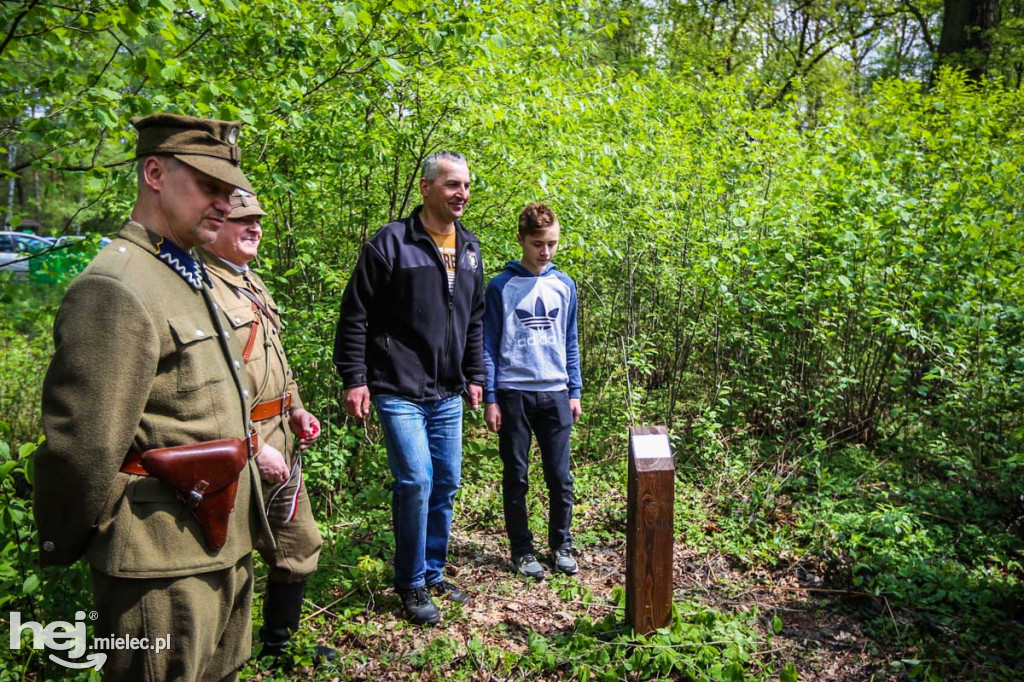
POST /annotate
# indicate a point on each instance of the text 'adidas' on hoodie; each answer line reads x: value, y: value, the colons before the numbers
x: 530, y: 337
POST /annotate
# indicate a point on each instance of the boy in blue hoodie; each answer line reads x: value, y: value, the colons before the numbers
x: 532, y: 356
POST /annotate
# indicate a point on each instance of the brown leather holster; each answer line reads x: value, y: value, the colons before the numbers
x: 205, y: 477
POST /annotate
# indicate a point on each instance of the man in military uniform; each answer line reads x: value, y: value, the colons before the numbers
x: 145, y: 360
x: 277, y: 414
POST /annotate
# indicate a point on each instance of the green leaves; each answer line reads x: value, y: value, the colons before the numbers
x: 30, y: 585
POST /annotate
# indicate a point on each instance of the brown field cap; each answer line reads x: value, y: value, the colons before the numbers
x: 244, y: 204
x: 205, y: 144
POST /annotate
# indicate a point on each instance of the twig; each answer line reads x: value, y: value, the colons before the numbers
x: 791, y: 588
x: 14, y: 26
x: 893, y: 618
x: 527, y: 602
x: 324, y: 609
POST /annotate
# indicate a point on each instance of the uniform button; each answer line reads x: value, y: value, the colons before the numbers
x: 238, y: 320
x: 215, y: 307
x: 120, y: 249
x: 48, y: 545
x: 245, y: 392
x: 226, y: 335
x: 200, y: 332
x: 238, y: 365
x: 273, y: 331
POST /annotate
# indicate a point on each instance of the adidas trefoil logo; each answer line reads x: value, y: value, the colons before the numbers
x: 540, y: 319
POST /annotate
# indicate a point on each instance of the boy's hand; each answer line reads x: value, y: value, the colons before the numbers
x: 357, y: 401
x: 305, y: 426
x: 271, y: 464
x: 577, y: 409
x: 476, y: 395
x: 492, y: 415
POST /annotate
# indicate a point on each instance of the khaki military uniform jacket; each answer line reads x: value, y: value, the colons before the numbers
x: 267, y: 368
x: 298, y: 540
x: 140, y: 362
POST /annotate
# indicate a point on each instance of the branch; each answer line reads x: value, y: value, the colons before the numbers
x: 804, y: 69
x: 69, y: 25
x: 82, y: 208
x: 110, y: 30
x: 924, y: 26
x: 202, y: 34
x: 422, y: 155
x: 80, y: 169
x: 14, y: 26
x: 95, y: 82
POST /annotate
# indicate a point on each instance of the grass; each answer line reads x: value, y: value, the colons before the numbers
x: 791, y: 560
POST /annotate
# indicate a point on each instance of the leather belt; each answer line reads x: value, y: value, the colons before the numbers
x: 272, y: 408
x: 132, y: 463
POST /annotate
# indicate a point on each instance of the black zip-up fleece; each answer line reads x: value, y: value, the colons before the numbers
x: 401, y: 332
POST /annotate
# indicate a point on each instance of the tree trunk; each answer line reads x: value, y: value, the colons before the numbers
x: 965, y: 39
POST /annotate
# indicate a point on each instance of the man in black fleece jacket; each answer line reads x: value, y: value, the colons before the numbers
x: 410, y: 340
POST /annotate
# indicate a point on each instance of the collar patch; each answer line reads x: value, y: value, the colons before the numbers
x: 182, y: 263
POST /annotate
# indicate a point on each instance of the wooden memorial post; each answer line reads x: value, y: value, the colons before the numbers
x: 649, y: 532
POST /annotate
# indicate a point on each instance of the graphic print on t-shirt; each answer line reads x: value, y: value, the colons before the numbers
x: 446, y: 246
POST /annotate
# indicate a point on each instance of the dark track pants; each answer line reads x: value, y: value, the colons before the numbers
x: 546, y: 414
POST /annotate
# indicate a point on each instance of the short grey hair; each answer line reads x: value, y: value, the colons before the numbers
x: 169, y: 161
x: 430, y: 164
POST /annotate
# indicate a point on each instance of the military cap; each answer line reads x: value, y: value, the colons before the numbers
x: 244, y: 204
x: 207, y: 145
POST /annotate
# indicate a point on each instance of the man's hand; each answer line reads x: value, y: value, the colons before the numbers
x: 271, y: 464
x: 357, y: 401
x: 305, y: 426
x: 577, y: 409
x: 476, y: 395
x: 492, y: 415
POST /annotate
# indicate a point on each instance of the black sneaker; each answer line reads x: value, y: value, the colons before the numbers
x: 419, y: 608
x: 528, y: 566
x: 564, y: 561
x: 447, y: 590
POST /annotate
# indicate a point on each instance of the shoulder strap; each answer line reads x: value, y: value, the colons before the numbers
x: 251, y: 343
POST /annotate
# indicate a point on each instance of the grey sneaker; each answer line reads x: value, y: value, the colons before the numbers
x: 564, y: 561
x: 528, y: 566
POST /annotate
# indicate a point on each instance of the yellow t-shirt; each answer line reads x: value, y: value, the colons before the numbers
x: 446, y: 245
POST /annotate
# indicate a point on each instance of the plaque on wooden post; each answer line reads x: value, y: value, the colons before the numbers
x: 649, y: 532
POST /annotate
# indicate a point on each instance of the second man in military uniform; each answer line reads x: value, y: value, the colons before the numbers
x: 277, y: 414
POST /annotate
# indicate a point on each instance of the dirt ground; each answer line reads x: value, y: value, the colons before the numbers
x: 824, y: 639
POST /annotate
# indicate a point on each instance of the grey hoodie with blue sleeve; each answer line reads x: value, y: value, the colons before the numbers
x: 530, y: 337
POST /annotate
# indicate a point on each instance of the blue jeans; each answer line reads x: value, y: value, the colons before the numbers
x: 424, y: 443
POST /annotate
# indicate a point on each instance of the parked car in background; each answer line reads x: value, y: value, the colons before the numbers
x: 73, y: 238
x: 16, y: 248
x: 66, y: 258
x: 47, y: 259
